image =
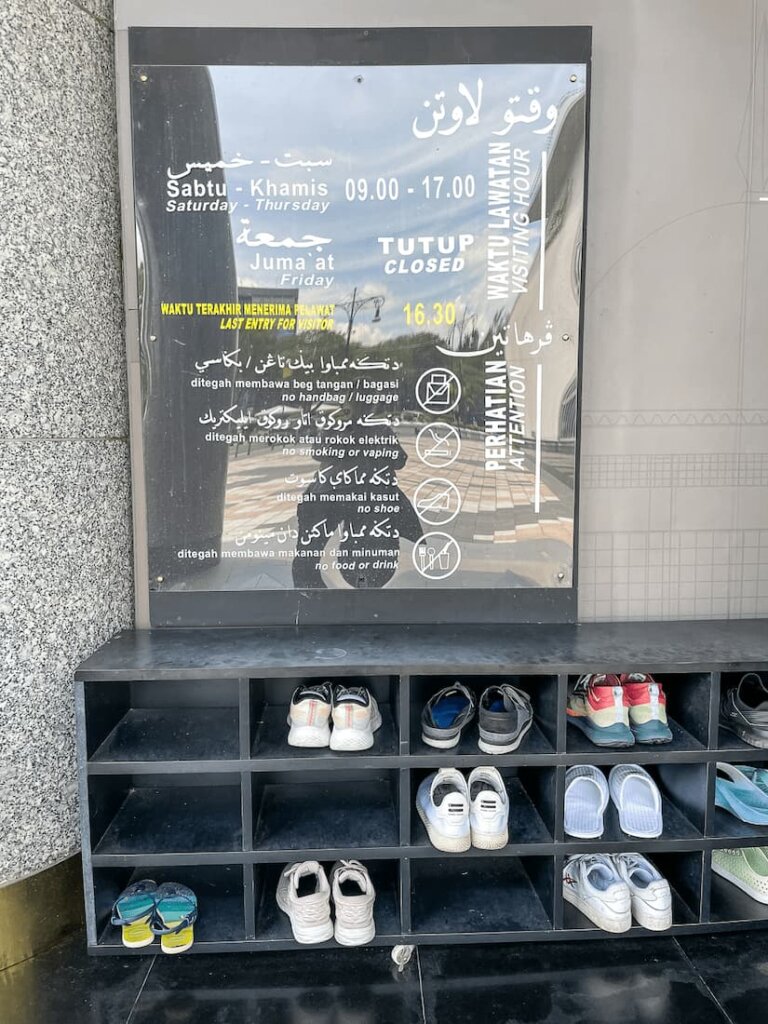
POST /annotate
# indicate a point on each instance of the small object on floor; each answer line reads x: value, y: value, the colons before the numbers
x: 647, y: 708
x: 746, y: 868
x: 737, y: 792
x: 504, y: 719
x: 488, y: 809
x: 309, y: 716
x: 599, y: 707
x: 442, y: 801
x: 638, y: 801
x: 649, y: 891
x: 356, y: 717
x: 133, y: 911
x: 353, y: 898
x: 744, y: 710
x: 175, y: 916
x: 303, y: 893
x: 592, y: 885
x: 586, y: 798
x: 445, y: 715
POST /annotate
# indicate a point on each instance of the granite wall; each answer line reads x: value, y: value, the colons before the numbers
x: 65, y: 526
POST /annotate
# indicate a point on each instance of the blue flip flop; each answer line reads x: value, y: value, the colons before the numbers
x: 175, y: 915
x: 740, y: 794
x: 133, y: 912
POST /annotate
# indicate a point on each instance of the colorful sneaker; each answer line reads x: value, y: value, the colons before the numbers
x: 488, y: 809
x: 442, y: 801
x: 599, y: 707
x: 445, y: 715
x: 648, y: 889
x: 304, y: 895
x: 647, y: 708
x: 356, y: 717
x: 309, y: 716
x: 592, y: 885
x: 353, y: 898
x: 746, y: 868
x: 505, y: 716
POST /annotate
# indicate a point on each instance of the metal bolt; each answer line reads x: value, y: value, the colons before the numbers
x: 574, y: 78
x: 359, y: 79
x: 160, y: 579
x: 143, y: 77
x: 566, y: 337
x: 561, y: 575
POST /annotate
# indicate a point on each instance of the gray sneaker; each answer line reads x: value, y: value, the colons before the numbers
x: 445, y: 715
x: 304, y: 895
x: 353, y: 898
x: 506, y: 715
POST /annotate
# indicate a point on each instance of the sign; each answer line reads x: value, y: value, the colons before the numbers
x: 359, y: 288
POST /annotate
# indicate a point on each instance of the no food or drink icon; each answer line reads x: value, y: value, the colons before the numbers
x: 436, y: 556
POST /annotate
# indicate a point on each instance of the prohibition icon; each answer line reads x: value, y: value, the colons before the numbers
x: 436, y: 556
x: 437, y: 501
x: 438, y: 391
x: 438, y: 445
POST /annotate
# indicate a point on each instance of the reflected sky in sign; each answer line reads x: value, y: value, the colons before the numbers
x: 367, y: 130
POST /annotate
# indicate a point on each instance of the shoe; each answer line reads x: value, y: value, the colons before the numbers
x: 175, y: 916
x: 586, y: 798
x: 353, y: 898
x: 356, y: 717
x: 648, y: 889
x: 741, y: 790
x: 309, y: 716
x: 445, y: 715
x: 304, y: 895
x: 592, y: 884
x: 744, y: 710
x: 647, y: 708
x: 505, y: 717
x: 599, y: 707
x: 488, y: 809
x: 746, y: 868
x: 442, y: 801
x: 133, y: 911
x: 638, y: 801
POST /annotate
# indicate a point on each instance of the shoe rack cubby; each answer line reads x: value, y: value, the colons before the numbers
x: 186, y: 775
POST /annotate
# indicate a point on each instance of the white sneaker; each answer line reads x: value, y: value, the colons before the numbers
x: 649, y: 891
x: 304, y: 895
x: 309, y: 716
x: 442, y: 801
x: 488, y: 809
x: 592, y: 884
x: 353, y: 897
x: 356, y: 717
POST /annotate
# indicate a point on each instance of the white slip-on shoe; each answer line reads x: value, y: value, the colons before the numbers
x: 353, y: 898
x: 488, y: 809
x: 356, y: 717
x: 637, y: 800
x: 586, y: 798
x: 648, y: 889
x: 309, y: 716
x: 592, y: 884
x: 442, y: 801
x: 303, y: 893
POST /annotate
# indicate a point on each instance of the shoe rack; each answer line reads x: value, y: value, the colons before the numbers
x: 185, y: 774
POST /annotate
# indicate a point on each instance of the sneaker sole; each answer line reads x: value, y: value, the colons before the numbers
x: 759, y: 897
x: 309, y: 736
x: 601, y: 737
x: 651, y: 733
x: 746, y: 735
x: 355, y: 739
x: 488, y: 747
x: 359, y: 936
x: 446, y: 844
x: 651, y: 919
x: 492, y: 842
x: 604, y: 921
x: 441, y: 744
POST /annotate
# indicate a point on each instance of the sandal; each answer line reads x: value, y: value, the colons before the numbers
x: 742, y: 792
x: 175, y: 915
x: 133, y: 911
x: 586, y: 797
x: 637, y: 800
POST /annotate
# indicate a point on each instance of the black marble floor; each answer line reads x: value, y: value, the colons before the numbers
x: 701, y: 980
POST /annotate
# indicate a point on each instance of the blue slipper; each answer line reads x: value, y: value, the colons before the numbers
x: 741, y: 794
x: 133, y: 911
x: 175, y: 915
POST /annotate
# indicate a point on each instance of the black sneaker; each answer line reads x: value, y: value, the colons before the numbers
x: 506, y: 716
x: 445, y: 715
x: 744, y: 710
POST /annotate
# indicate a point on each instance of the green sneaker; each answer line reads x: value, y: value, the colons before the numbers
x: 747, y: 869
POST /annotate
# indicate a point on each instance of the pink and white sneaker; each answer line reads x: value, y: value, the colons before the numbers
x: 599, y: 706
x: 309, y: 716
x: 356, y: 717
